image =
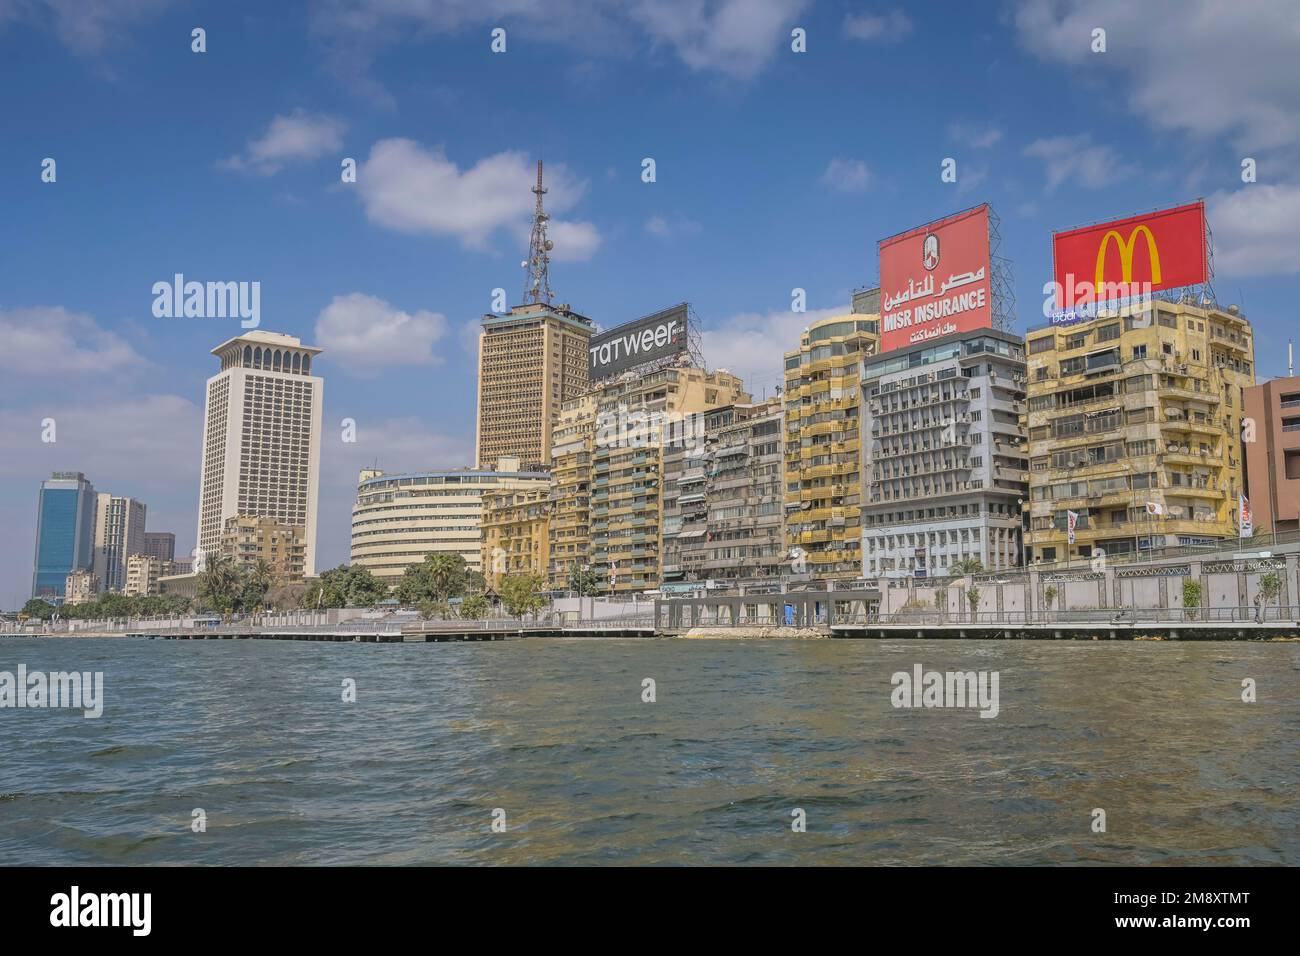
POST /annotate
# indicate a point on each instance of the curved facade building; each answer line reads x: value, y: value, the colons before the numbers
x: 398, y: 519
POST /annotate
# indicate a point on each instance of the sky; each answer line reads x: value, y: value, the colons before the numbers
x: 774, y: 170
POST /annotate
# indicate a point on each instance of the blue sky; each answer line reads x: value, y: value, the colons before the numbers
x: 775, y: 170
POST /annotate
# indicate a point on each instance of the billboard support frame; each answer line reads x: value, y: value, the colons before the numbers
x: 1002, y: 285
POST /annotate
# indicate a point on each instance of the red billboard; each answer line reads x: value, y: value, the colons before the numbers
x: 936, y: 280
x: 1130, y: 257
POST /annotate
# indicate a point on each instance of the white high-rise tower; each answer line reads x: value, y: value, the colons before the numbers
x: 261, y: 438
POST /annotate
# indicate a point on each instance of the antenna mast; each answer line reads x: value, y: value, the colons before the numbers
x: 537, y: 284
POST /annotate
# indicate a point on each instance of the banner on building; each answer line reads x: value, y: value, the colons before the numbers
x: 638, y: 343
x: 1132, y: 257
x: 1071, y: 522
x: 936, y: 280
x: 1245, y: 520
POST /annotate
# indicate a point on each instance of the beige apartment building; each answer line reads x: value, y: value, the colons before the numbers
x: 636, y: 417
x: 1272, y: 442
x: 823, y: 458
x: 569, y: 528
x: 400, y: 518
x: 81, y: 587
x: 247, y: 539
x: 532, y: 360
x: 144, y: 573
x: 261, y: 438
x: 723, y: 500
x: 516, y: 538
x: 1134, y: 425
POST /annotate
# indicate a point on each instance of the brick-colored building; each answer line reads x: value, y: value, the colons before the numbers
x: 1272, y: 442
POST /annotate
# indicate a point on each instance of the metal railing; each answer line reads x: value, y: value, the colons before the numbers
x: 1241, y: 614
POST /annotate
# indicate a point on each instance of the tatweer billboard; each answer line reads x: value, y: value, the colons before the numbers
x: 638, y: 343
x: 936, y: 280
x: 1130, y: 257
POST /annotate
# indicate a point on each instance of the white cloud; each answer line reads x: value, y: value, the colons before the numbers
x: 975, y: 135
x: 847, y: 175
x: 1255, y: 230
x: 364, y: 334
x: 1078, y: 160
x: 887, y: 28
x: 86, y: 27
x: 1208, y: 68
x: 752, y: 344
x: 665, y: 227
x: 49, y: 340
x: 298, y: 137
x: 406, y: 187
x: 734, y: 38
x: 737, y: 38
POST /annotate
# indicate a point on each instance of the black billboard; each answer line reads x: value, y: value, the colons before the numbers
x: 638, y: 343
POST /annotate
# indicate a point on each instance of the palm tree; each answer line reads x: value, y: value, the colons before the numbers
x: 218, y: 583
x: 967, y: 566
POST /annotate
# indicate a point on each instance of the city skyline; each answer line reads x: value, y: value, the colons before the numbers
x: 413, y: 257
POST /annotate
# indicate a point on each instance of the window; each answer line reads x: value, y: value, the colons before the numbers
x: 1045, y: 344
x: 1139, y: 352
x: 1108, y: 332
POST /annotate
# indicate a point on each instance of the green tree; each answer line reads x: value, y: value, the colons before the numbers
x: 41, y: 610
x: 519, y: 594
x: 439, y: 577
x: 584, y: 580
x: 1049, y: 596
x: 1270, y: 586
x: 973, y: 597
x: 474, y: 608
x: 430, y: 609
x: 1191, y: 596
x: 219, y: 584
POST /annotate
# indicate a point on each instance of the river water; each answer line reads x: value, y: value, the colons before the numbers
x: 555, y: 735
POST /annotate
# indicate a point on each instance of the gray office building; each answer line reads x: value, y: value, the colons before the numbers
x: 944, y: 455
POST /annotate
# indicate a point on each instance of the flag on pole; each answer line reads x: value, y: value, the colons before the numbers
x: 1245, y: 520
x: 1155, y: 508
x: 1071, y: 520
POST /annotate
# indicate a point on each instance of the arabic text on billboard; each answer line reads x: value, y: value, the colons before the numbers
x: 935, y: 280
x: 638, y: 343
x: 1130, y: 257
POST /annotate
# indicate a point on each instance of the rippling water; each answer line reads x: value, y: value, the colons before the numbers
x: 555, y: 733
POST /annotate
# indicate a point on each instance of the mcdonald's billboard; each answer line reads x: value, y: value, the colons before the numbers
x: 1129, y: 257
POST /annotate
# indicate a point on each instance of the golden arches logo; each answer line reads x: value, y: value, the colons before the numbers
x: 1126, y: 255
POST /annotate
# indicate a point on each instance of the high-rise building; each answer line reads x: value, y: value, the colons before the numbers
x: 944, y: 457
x: 515, y: 534
x: 823, y: 470
x: 637, y: 416
x: 723, y: 498
x: 532, y: 360
x: 261, y: 438
x: 398, y: 519
x: 160, y: 544
x: 119, y: 533
x: 1134, y: 427
x: 1273, y: 454
x: 570, y: 522
x: 246, y: 539
x: 65, y: 532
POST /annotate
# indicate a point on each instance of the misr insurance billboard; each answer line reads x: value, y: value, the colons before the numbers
x: 1130, y: 257
x: 935, y: 280
x: 638, y: 343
